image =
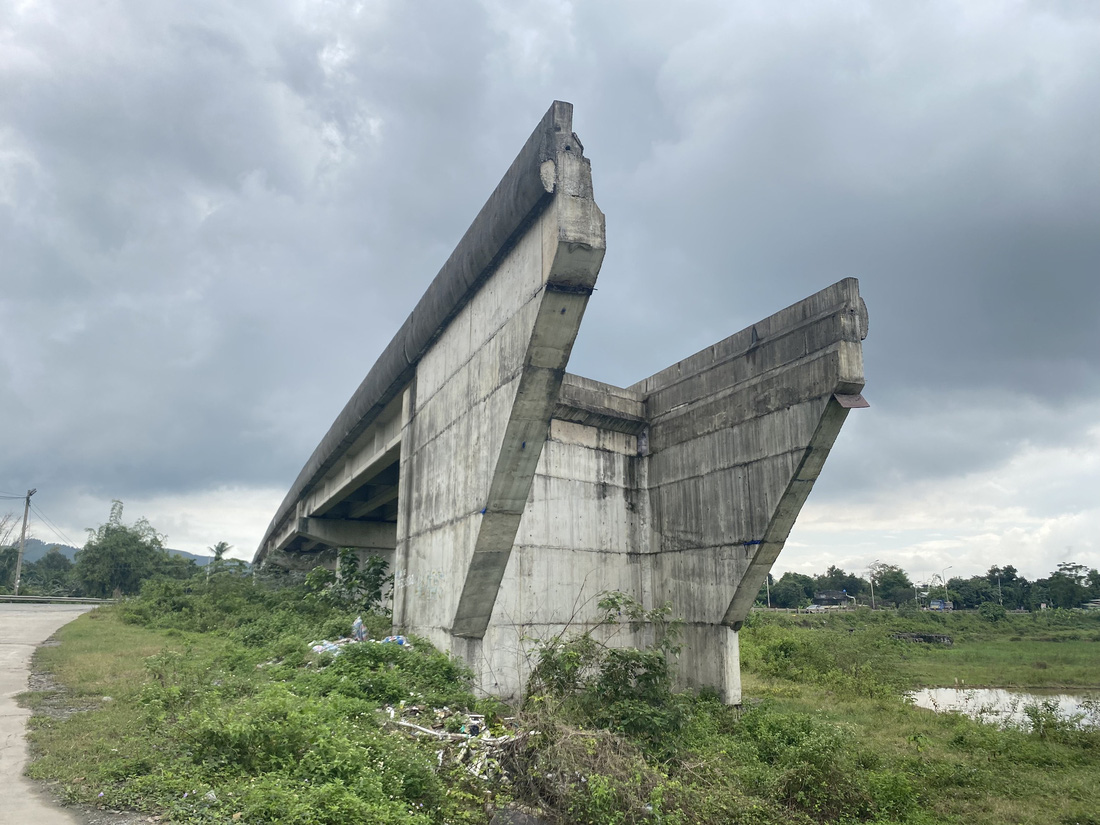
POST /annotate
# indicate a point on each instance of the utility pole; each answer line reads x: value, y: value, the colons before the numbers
x: 23, y: 540
x: 871, y: 575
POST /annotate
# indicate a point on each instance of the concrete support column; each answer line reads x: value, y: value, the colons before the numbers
x: 730, y: 653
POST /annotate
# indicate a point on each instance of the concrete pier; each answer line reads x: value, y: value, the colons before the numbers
x: 508, y: 494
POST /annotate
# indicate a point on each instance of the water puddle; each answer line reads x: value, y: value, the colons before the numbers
x: 1013, y: 708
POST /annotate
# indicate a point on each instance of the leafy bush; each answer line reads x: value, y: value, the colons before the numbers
x: 623, y: 689
x: 992, y: 612
x: 389, y: 673
x: 119, y: 558
x: 361, y: 587
x: 817, y: 768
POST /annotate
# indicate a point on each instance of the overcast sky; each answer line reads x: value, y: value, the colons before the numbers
x: 214, y: 216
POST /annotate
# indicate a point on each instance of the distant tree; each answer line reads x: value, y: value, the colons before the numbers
x: 792, y: 590
x: 8, y: 523
x: 892, y: 584
x: 836, y: 579
x: 1003, y: 575
x: 8, y: 557
x: 1001, y: 579
x: 1067, y: 585
x: 120, y: 557
x: 1038, y: 594
x: 51, y: 575
x: 173, y: 566
x: 1092, y: 581
x: 218, y: 551
x: 1015, y: 590
x: 968, y: 594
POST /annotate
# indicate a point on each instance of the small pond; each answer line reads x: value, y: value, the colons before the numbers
x: 1016, y: 708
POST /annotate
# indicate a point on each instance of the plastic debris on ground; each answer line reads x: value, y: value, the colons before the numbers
x: 464, y: 737
x: 358, y: 634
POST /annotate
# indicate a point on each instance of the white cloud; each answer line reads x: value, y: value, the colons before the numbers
x: 1033, y: 510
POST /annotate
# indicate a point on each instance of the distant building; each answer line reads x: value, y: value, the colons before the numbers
x: 831, y: 598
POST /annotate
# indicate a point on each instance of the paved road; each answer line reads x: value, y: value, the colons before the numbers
x: 22, y: 628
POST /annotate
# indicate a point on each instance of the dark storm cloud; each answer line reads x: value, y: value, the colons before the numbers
x: 214, y: 217
x: 212, y: 201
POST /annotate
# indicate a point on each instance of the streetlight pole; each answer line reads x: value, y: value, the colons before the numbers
x: 871, y: 576
x: 943, y: 578
x: 23, y: 540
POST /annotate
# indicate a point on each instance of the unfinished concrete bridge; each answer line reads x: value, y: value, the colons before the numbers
x: 507, y: 493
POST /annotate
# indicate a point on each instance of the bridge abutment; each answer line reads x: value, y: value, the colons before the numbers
x: 510, y: 494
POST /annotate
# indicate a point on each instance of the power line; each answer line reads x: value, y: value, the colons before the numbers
x: 53, y: 527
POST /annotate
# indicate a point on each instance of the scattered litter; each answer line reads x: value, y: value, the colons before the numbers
x: 465, y: 739
x: 358, y: 634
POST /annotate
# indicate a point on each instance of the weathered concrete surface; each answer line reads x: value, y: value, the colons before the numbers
x: 681, y: 489
x: 509, y: 494
x: 22, y: 628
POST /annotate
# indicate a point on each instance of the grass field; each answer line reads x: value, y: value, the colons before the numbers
x: 966, y: 772
x: 1071, y: 664
x: 1054, y: 650
x: 206, y: 707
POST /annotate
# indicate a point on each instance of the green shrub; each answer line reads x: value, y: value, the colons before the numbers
x: 992, y: 612
x: 817, y: 768
x: 622, y: 689
x: 390, y: 673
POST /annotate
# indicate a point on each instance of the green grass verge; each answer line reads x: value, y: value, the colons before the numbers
x: 962, y: 771
x: 1058, y: 649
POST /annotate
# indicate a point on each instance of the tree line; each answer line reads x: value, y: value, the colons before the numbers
x: 118, y: 557
x: 115, y: 561
x: 887, y: 585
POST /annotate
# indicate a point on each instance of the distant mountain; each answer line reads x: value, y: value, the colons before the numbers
x: 36, y: 549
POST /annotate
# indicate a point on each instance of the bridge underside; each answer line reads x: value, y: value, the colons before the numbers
x: 507, y: 494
